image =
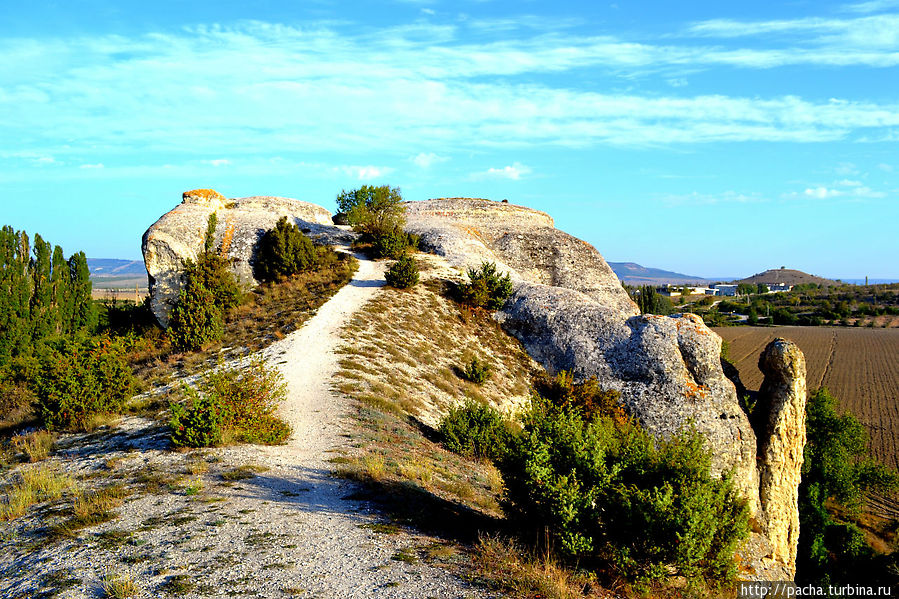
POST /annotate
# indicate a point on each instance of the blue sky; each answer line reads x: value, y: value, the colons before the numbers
x: 712, y: 138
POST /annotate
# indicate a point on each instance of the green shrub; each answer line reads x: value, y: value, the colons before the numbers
x: 486, y: 287
x: 474, y: 430
x: 199, y: 423
x: 837, y: 471
x: 587, y: 397
x: 210, y: 289
x: 241, y: 401
x: 196, y: 320
x: 403, y: 273
x: 373, y: 210
x: 16, y: 386
x: 476, y: 371
x: 607, y: 494
x: 81, y: 379
x: 212, y: 272
x: 393, y: 244
x: 284, y: 251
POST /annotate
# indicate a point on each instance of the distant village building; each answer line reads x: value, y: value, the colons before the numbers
x: 779, y: 288
x: 677, y: 290
x: 726, y: 290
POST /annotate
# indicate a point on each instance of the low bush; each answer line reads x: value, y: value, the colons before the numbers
x: 475, y: 430
x: 16, y: 388
x: 608, y: 495
x: 403, y: 273
x: 587, y: 397
x: 234, y: 403
x: 196, y: 321
x: 486, y: 287
x: 82, y: 379
x: 210, y: 290
x: 197, y: 424
x: 393, y: 244
x: 476, y: 371
x: 284, y: 251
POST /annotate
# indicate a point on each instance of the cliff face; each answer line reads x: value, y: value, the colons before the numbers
x: 179, y: 234
x: 571, y: 313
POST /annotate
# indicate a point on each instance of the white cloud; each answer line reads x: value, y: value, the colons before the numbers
x: 821, y: 192
x: 426, y: 160
x: 885, y: 167
x: 514, y: 171
x: 217, y: 162
x: 871, y: 6
x: 703, y: 199
x: 849, y: 189
x: 846, y: 168
x: 92, y: 166
x: 364, y: 173
x: 233, y: 90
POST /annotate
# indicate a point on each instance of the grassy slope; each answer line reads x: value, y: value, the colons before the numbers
x: 400, y: 363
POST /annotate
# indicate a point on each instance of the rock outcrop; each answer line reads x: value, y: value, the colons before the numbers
x: 779, y: 416
x: 571, y: 313
x: 179, y: 235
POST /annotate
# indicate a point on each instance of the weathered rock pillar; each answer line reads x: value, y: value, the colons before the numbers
x: 780, y: 418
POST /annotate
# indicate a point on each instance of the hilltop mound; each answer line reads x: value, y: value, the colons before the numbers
x: 786, y: 276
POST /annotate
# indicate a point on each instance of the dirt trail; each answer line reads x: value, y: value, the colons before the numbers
x: 345, y: 558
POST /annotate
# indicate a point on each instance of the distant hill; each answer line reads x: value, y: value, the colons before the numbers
x: 635, y: 274
x: 786, y: 276
x: 111, y: 273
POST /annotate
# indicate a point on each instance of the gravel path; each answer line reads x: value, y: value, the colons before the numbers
x: 347, y: 559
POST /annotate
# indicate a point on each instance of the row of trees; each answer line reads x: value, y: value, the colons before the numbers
x: 42, y: 294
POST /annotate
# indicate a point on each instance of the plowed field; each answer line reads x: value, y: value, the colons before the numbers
x: 859, y: 366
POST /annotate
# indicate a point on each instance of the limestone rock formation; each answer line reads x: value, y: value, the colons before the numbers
x: 179, y: 234
x: 570, y: 312
x: 781, y: 423
x: 524, y: 241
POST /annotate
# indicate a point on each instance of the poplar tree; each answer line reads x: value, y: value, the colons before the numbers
x: 42, y: 317
x: 15, y: 291
x: 61, y: 283
x: 84, y: 314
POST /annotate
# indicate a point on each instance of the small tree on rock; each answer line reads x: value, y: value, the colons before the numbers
x: 284, y: 251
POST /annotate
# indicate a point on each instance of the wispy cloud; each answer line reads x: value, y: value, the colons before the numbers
x: 871, y: 6
x: 846, y: 188
x: 705, y: 199
x: 217, y: 162
x: 217, y: 89
x: 364, y: 173
x: 513, y: 171
x: 427, y: 160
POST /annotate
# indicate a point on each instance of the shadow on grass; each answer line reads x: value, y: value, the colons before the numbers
x: 409, y: 504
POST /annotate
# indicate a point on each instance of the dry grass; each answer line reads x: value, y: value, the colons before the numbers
x: 268, y: 313
x: 405, y: 348
x: 506, y: 566
x: 118, y: 586
x: 31, y: 486
x: 400, y: 363
x: 36, y: 445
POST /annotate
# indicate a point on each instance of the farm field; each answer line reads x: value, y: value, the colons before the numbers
x: 860, y: 366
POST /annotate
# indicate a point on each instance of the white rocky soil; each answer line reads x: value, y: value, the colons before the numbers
x: 291, y: 530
